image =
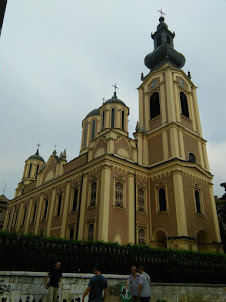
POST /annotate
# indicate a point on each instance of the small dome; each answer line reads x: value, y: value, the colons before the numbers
x: 36, y: 156
x: 114, y: 99
x: 93, y: 112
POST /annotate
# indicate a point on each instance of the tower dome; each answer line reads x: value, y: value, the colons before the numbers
x: 114, y: 99
x: 36, y: 156
x: 32, y: 167
x: 163, y: 49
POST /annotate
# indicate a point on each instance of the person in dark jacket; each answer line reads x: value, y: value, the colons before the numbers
x: 96, y: 285
x: 53, y: 285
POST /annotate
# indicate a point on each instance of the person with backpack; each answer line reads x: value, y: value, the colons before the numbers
x: 96, y: 285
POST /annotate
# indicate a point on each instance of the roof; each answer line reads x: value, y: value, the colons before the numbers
x: 93, y: 112
x: 114, y: 99
x: 36, y: 156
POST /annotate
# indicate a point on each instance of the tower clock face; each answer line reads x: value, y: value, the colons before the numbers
x: 153, y: 83
x: 181, y: 82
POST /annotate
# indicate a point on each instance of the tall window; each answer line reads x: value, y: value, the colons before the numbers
x: 162, y: 200
x: 113, y: 118
x: 29, y: 172
x: 103, y: 120
x: 184, y: 104
x: 192, y: 157
x: 91, y: 231
x: 74, y: 206
x: 72, y: 232
x: 36, y: 174
x: 159, y: 41
x: 141, y: 236
x: 34, y: 212
x: 140, y: 199
x: 123, y: 120
x: 25, y: 213
x: 59, y: 205
x: 93, y: 194
x: 45, y: 209
x: 8, y: 224
x: 154, y: 105
x: 197, y: 202
x: 119, y: 194
x: 93, y: 129
x: 85, y: 135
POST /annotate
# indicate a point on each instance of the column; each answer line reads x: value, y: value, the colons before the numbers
x: 107, y: 119
x: 165, y: 145
x: 141, y: 109
x: 104, y: 203
x: 179, y: 203
x: 163, y: 103
x: 181, y: 142
x: 206, y: 161
x: 38, y: 214
x: 174, y: 142
x: 83, y: 207
x: 170, y: 96
x: 214, y: 212
x: 192, y: 112
x: 65, y: 210
x: 19, y: 218
x: 51, y: 209
x: 131, y: 206
x: 6, y: 220
x: 201, y: 154
x: 196, y: 113
x: 28, y: 216
x: 146, y: 111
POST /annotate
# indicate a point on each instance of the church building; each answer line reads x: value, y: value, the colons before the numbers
x: 154, y: 189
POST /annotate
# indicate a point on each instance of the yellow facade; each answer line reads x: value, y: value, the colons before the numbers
x: 155, y: 188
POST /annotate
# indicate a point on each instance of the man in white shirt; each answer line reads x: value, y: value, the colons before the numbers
x: 144, y: 285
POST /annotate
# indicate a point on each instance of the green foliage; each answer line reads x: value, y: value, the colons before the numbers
x: 35, y: 253
x: 161, y: 300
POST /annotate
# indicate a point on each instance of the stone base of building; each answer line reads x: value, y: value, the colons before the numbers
x: 21, y: 285
x: 186, y: 243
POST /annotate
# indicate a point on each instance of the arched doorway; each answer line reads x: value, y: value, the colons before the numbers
x: 204, y: 242
x: 159, y: 239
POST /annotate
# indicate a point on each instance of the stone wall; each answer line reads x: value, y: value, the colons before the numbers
x: 24, y: 284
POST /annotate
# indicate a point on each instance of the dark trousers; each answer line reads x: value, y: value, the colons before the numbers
x: 144, y: 299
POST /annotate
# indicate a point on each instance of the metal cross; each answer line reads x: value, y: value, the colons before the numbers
x: 38, y: 145
x: 115, y: 87
x: 103, y: 100
x: 161, y: 12
x: 55, y: 146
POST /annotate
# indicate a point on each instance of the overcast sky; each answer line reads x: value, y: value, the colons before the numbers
x: 58, y: 59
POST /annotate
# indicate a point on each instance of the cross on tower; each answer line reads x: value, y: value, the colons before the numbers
x: 103, y: 100
x: 115, y: 87
x: 161, y: 12
x: 38, y: 145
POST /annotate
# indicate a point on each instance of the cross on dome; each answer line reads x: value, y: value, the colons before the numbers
x: 115, y: 87
x: 161, y: 12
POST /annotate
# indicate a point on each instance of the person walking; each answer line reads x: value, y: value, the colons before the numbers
x: 133, y: 280
x: 96, y: 285
x: 53, y: 285
x: 144, y: 285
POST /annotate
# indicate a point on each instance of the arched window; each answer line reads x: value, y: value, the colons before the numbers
x: 91, y: 231
x: 192, y: 157
x: 93, y: 129
x: 36, y: 174
x: 29, y: 172
x: 72, y: 232
x: 154, y: 105
x: 74, y: 206
x: 113, y: 118
x: 25, y: 213
x: 162, y: 200
x: 59, y: 205
x: 184, y: 104
x: 141, y: 236
x: 45, y: 209
x: 119, y: 194
x: 93, y: 193
x: 85, y: 135
x: 123, y: 120
x: 34, y: 212
x: 197, y: 202
x: 103, y: 120
x: 140, y: 199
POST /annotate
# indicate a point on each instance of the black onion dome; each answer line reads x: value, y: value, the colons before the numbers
x: 93, y: 112
x: 114, y: 99
x: 163, y: 49
x: 164, y: 53
x: 36, y: 156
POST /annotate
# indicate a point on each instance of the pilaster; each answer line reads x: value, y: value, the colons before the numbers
x: 38, y: 214
x: 104, y: 203
x: 19, y: 218
x: 180, y: 203
x: 51, y: 209
x: 28, y: 216
x: 214, y: 213
x: 131, y: 206
x: 82, y: 208
x: 65, y: 210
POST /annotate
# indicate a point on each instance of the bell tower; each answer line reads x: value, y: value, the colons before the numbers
x: 170, y: 144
